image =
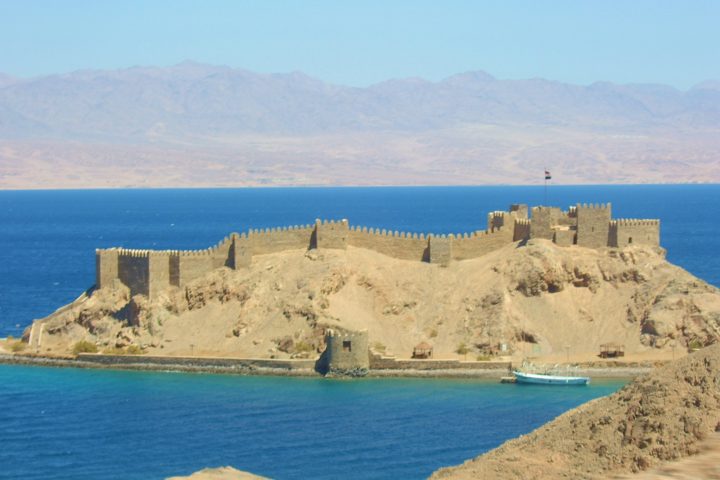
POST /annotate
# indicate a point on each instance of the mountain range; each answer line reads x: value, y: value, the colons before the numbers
x: 201, y: 125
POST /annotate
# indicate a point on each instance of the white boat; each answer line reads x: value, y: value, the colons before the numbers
x: 544, y: 379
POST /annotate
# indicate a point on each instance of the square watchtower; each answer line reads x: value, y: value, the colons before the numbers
x: 593, y: 224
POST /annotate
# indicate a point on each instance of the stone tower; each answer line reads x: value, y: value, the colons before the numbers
x: 346, y: 353
x: 593, y: 225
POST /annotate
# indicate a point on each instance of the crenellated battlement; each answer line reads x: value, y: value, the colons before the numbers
x: 149, y: 272
x: 600, y: 206
x: 635, y: 222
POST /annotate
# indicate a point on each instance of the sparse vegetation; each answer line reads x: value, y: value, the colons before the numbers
x: 433, y: 333
x: 130, y: 350
x: 83, y: 346
x: 462, y: 349
x: 302, y: 346
x: 134, y: 350
x: 114, y: 351
x: 379, y: 347
x: 694, y: 345
x: 483, y: 358
x: 18, y: 346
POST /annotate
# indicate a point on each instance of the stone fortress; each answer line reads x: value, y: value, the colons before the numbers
x: 149, y: 272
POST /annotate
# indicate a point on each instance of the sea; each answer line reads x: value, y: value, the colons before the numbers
x: 100, y: 424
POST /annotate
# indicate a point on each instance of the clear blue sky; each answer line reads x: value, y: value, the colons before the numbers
x: 365, y: 41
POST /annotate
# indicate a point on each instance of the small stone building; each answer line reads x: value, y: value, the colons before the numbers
x: 422, y: 350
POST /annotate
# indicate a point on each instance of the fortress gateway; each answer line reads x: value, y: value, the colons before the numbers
x: 149, y: 272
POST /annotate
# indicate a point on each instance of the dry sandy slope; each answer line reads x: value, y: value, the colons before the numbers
x: 537, y: 299
x: 661, y: 416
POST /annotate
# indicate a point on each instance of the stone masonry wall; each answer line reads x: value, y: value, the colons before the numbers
x: 634, y: 232
x: 150, y: 272
x: 521, y: 229
x: 106, y: 267
x: 346, y: 351
x: 543, y: 219
x: 331, y: 234
x: 402, y: 245
x: 440, y: 249
x: 480, y: 243
x: 593, y: 225
x: 133, y: 270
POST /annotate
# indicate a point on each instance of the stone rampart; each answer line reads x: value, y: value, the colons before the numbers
x: 543, y: 220
x: 274, y: 240
x: 149, y: 272
x: 331, y: 234
x: 402, y: 245
x: 477, y: 244
x: 380, y: 362
x: 521, y: 230
x: 625, y: 232
x: 243, y: 365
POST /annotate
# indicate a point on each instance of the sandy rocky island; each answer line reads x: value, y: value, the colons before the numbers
x: 535, y: 299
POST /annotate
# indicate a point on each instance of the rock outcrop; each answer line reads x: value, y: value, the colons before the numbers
x: 660, y: 417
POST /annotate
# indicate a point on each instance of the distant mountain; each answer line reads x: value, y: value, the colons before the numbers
x: 209, y: 109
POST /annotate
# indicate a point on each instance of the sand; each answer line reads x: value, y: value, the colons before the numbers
x: 220, y: 473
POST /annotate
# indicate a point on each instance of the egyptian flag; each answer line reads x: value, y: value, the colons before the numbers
x: 547, y: 175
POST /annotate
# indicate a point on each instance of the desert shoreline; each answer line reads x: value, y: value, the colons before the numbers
x: 199, y: 366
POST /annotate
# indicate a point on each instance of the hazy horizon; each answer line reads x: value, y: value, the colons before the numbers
x: 190, y: 61
x: 363, y: 43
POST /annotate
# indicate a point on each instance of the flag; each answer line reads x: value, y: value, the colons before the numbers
x: 547, y: 175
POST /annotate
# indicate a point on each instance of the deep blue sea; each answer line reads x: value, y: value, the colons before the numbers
x: 76, y: 424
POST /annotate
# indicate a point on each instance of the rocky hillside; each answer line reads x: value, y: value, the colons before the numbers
x: 534, y: 299
x: 663, y: 416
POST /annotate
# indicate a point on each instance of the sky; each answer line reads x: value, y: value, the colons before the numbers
x: 363, y: 42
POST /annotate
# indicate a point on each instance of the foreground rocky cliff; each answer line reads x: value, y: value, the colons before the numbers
x: 663, y: 416
x: 537, y: 299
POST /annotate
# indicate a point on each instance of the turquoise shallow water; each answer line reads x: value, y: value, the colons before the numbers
x: 98, y: 424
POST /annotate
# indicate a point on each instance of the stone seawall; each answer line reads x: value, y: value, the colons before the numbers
x: 378, y: 362
x: 383, y: 366
x: 239, y: 364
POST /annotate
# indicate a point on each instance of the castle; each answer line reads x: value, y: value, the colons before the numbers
x: 149, y: 272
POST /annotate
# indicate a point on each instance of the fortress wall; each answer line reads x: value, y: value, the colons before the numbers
x: 520, y: 210
x: 220, y: 253
x: 402, y: 245
x: 134, y: 271
x: 636, y: 231
x: 273, y: 240
x: 543, y: 219
x: 593, y: 225
x: 331, y: 234
x: 240, y: 251
x: 564, y: 238
x: 106, y: 267
x: 440, y: 249
x: 521, y: 229
x: 192, y: 264
x: 158, y: 272
x: 474, y: 245
x: 498, y: 219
